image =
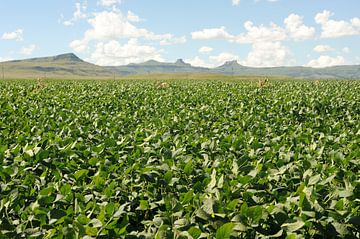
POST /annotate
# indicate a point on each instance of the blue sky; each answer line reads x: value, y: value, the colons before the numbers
x: 315, y: 33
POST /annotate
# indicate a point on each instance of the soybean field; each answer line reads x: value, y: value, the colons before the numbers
x: 179, y: 159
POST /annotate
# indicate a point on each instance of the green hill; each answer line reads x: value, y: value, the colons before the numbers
x: 61, y: 66
x: 70, y: 66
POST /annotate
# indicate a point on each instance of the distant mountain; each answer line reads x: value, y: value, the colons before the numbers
x: 341, y: 72
x: 152, y: 66
x: 60, y: 66
x: 70, y: 66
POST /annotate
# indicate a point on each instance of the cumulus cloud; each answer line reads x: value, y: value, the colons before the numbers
x: 205, y: 50
x: 165, y: 39
x: 109, y: 3
x: 28, y: 50
x: 326, y: 61
x: 212, y: 33
x: 114, y: 53
x: 79, y: 45
x: 224, y: 57
x: 79, y: 13
x: 252, y: 34
x: 197, y: 61
x: 267, y: 49
x: 296, y: 28
x: 113, y: 25
x: 214, y: 60
x: 268, y: 54
x: 334, y: 29
x: 261, y: 33
x: 235, y: 2
x: 16, y: 35
x: 266, y: 40
x: 323, y: 48
x: 131, y: 17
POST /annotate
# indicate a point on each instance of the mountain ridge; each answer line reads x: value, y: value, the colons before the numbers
x: 69, y: 64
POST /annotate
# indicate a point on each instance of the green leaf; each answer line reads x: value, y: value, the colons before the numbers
x: 168, y: 177
x: 110, y: 208
x: 91, y: 231
x: 194, y: 232
x: 188, y: 168
x: 212, y: 183
x: 255, y: 213
x: 232, y: 205
x: 314, y: 179
x: 46, y: 191
x: 96, y: 223
x: 292, y: 227
x: 208, y: 206
x: 187, y: 197
x: 80, y: 174
x: 82, y: 219
x: 224, y: 232
x: 144, y: 205
x: 345, y: 193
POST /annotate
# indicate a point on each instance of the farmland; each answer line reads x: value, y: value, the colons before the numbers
x: 195, y: 159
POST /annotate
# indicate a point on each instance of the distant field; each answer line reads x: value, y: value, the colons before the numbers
x: 218, y: 158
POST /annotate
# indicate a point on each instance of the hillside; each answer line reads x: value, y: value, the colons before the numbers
x: 338, y: 72
x: 70, y: 66
x: 60, y: 66
x: 157, y: 67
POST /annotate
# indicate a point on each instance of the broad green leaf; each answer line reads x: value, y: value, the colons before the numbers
x: 144, y: 205
x: 194, y: 232
x: 314, y: 179
x: 80, y: 174
x: 224, y: 232
x: 292, y: 227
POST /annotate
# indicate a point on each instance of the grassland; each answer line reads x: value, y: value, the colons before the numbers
x: 218, y: 158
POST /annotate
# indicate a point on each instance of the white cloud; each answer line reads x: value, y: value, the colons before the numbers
x: 113, y: 25
x: 211, y: 33
x: 355, y: 22
x: 28, y: 50
x: 205, y: 50
x: 15, y: 35
x: 253, y: 34
x: 197, y: 61
x: 109, y: 3
x: 113, y: 53
x: 224, y: 57
x: 334, y: 29
x: 323, y: 48
x: 268, y: 54
x: 165, y: 39
x: 79, y: 13
x: 296, y: 28
x: 2, y: 59
x: 326, y: 61
x: 214, y: 60
x: 235, y: 2
x: 267, y: 49
x: 261, y: 33
x: 131, y: 17
x: 346, y: 50
x: 79, y: 45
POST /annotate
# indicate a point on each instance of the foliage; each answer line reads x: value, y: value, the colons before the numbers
x: 197, y: 159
